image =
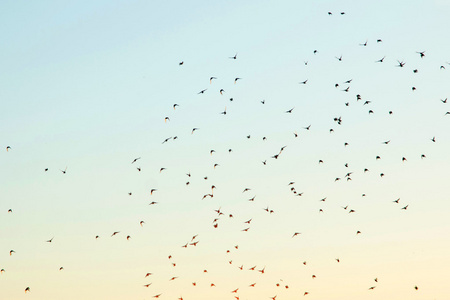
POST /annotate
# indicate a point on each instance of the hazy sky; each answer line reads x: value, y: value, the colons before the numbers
x: 87, y: 85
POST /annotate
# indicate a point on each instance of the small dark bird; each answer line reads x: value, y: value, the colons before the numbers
x: 422, y: 54
x: 202, y: 91
x: 211, y: 79
x: 234, y: 57
x: 381, y: 60
x: 401, y: 64
x: 181, y: 63
x: 304, y: 82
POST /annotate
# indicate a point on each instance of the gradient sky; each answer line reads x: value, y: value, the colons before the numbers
x: 87, y: 84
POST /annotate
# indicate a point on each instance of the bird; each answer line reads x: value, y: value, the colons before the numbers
x: 211, y: 79
x: 202, y: 91
x: 421, y: 53
x: 234, y: 57
x: 64, y: 171
x: 401, y: 64
x: 381, y: 60
x: 304, y: 82
x: 8, y: 148
x: 50, y: 240
x: 236, y: 79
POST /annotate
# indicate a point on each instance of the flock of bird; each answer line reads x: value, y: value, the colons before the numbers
x: 219, y: 213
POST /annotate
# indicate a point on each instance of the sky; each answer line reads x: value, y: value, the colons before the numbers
x: 86, y: 88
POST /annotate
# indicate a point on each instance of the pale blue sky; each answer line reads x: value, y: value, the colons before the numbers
x: 87, y: 85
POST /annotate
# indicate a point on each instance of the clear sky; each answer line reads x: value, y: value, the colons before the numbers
x: 87, y: 85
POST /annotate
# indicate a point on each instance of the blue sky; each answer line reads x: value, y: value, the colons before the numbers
x: 87, y: 86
